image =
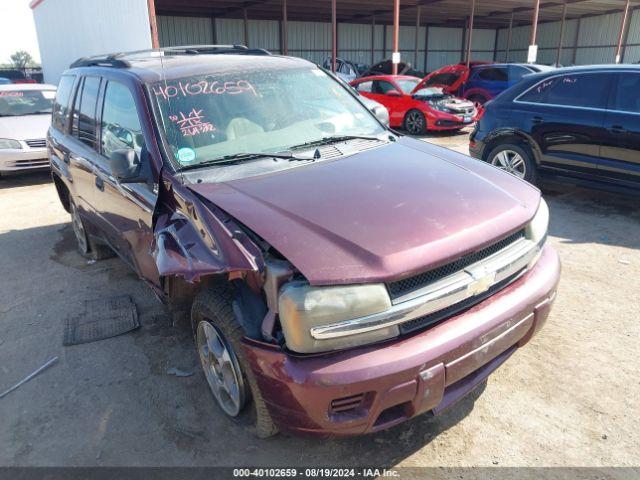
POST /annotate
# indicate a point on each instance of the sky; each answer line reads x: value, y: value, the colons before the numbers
x: 17, y: 29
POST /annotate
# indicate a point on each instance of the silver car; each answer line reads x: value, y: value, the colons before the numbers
x: 25, y: 116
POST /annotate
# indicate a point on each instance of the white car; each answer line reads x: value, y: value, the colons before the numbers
x: 25, y: 116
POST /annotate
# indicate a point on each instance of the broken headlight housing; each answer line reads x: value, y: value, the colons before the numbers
x: 8, y: 143
x: 302, y: 307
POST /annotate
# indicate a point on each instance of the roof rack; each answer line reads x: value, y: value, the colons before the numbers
x: 121, y: 59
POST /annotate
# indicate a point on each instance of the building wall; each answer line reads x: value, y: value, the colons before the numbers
x: 69, y: 29
x: 596, y: 41
x: 312, y: 40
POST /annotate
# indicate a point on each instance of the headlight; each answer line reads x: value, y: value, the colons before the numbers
x: 302, y: 307
x: 7, y: 143
x: 536, y: 231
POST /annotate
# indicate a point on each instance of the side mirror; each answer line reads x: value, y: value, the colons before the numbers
x: 394, y: 93
x: 381, y: 113
x: 125, y: 165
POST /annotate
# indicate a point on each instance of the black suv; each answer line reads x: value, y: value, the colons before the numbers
x: 580, y: 124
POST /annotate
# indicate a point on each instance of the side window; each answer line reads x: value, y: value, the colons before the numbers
x: 365, y: 87
x: 84, y: 114
x: 61, y: 103
x: 623, y: 97
x: 120, y: 123
x: 578, y: 90
x: 493, y: 74
x: 516, y: 72
x: 382, y: 87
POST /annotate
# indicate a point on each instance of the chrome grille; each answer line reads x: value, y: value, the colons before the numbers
x: 36, y: 143
x: 407, y: 285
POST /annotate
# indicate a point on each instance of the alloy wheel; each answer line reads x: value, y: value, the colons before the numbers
x: 78, y: 229
x: 511, y: 162
x: 221, y: 368
x: 415, y: 123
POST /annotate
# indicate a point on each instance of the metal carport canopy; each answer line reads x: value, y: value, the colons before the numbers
x: 468, y: 14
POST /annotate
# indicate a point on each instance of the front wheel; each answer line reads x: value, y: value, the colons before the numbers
x: 514, y: 159
x: 218, y: 336
x: 415, y: 122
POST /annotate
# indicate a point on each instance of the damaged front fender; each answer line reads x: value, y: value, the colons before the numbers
x: 193, y: 238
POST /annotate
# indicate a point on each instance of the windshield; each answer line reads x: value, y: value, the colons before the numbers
x: 14, y: 103
x: 408, y: 84
x: 262, y: 111
x: 442, y: 79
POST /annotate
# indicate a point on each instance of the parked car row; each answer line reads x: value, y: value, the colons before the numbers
x: 332, y: 279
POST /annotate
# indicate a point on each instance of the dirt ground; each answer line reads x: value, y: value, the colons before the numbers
x: 570, y: 398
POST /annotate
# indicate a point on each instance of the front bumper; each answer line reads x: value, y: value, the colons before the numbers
x: 23, y: 159
x: 375, y: 387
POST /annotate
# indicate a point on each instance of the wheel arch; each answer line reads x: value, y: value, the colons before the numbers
x: 63, y: 192
x: 514, y: 136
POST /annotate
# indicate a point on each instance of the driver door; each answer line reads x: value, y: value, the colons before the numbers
x: 126, y: 208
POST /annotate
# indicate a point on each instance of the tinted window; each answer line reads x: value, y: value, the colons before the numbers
x: 84, y: 115
x: 581, y: 90
x: 517, y: 72
x: 120, y: 124
x: 364, y: 86
x: 442, y: 79
x: 493, y: 74
x: 61, y: 104
x: 382, y: 87
x: 624, y: 96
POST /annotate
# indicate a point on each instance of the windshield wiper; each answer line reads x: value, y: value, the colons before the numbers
x: 337, y: 138
x: 243, y: 157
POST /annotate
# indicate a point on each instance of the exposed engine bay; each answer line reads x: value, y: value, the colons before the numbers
x: 445, y: 102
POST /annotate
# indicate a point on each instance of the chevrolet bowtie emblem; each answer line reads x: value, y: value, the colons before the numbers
x: 482, y: 281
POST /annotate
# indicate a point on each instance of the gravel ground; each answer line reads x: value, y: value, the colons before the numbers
x: 570, y: 398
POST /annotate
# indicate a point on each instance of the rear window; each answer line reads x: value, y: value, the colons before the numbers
x: 16, y: 103
x: 578, y: 90
x: 442, y: 79
x: 61, y: 103
x: 84, y: 115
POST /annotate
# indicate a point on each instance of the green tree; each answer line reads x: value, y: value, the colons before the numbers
x: 21, y: 59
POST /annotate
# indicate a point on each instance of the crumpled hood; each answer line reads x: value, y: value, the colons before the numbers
x: 381, y: 214
x: 25, y: 127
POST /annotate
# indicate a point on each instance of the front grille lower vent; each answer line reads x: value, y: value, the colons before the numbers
x: 407, y: 285
x: 36, y: 143
x: 345, y: 404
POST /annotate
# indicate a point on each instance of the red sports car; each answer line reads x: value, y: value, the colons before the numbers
x: 414, y: 107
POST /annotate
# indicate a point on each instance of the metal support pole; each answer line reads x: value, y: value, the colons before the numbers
x: 495, y: 44
x: 373, y: 37
x: 153, y: 24
x: 623, y: 25
x: 395, y: 56
x: 470, y: 31
x: 506, y: 56
x: 334, y: 35
x: 534, y: 22
x: 415, y: 47
x: 426, y: 48
x: 246, y: 26
x: 561, y: 39
x: 285, y: 29
x: 575, y: 41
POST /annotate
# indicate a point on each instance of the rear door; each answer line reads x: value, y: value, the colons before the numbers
x: 126, y: 208
x: 620, y: 150
x: 82, y: 144
x: 565, y: 116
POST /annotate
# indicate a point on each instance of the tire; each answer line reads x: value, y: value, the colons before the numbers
x: 415, y: 122
x: 514, y: 159
x: 87, y: 246
x: 212, y: 312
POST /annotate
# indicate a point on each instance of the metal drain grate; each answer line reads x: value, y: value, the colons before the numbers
x: 102, y: 318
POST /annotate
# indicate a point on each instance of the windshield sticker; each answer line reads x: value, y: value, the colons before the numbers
x: 192, y: 124
x: 11, y: 94
x: 186, y: 155
x: 203, y: 87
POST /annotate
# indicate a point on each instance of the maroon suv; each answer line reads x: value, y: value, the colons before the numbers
x: 342, y: 277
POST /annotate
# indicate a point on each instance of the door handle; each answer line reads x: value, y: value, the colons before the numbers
x: 100, y: 183
x: 65, y: 158
x: 617, y: 129
x: 537, y: 120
